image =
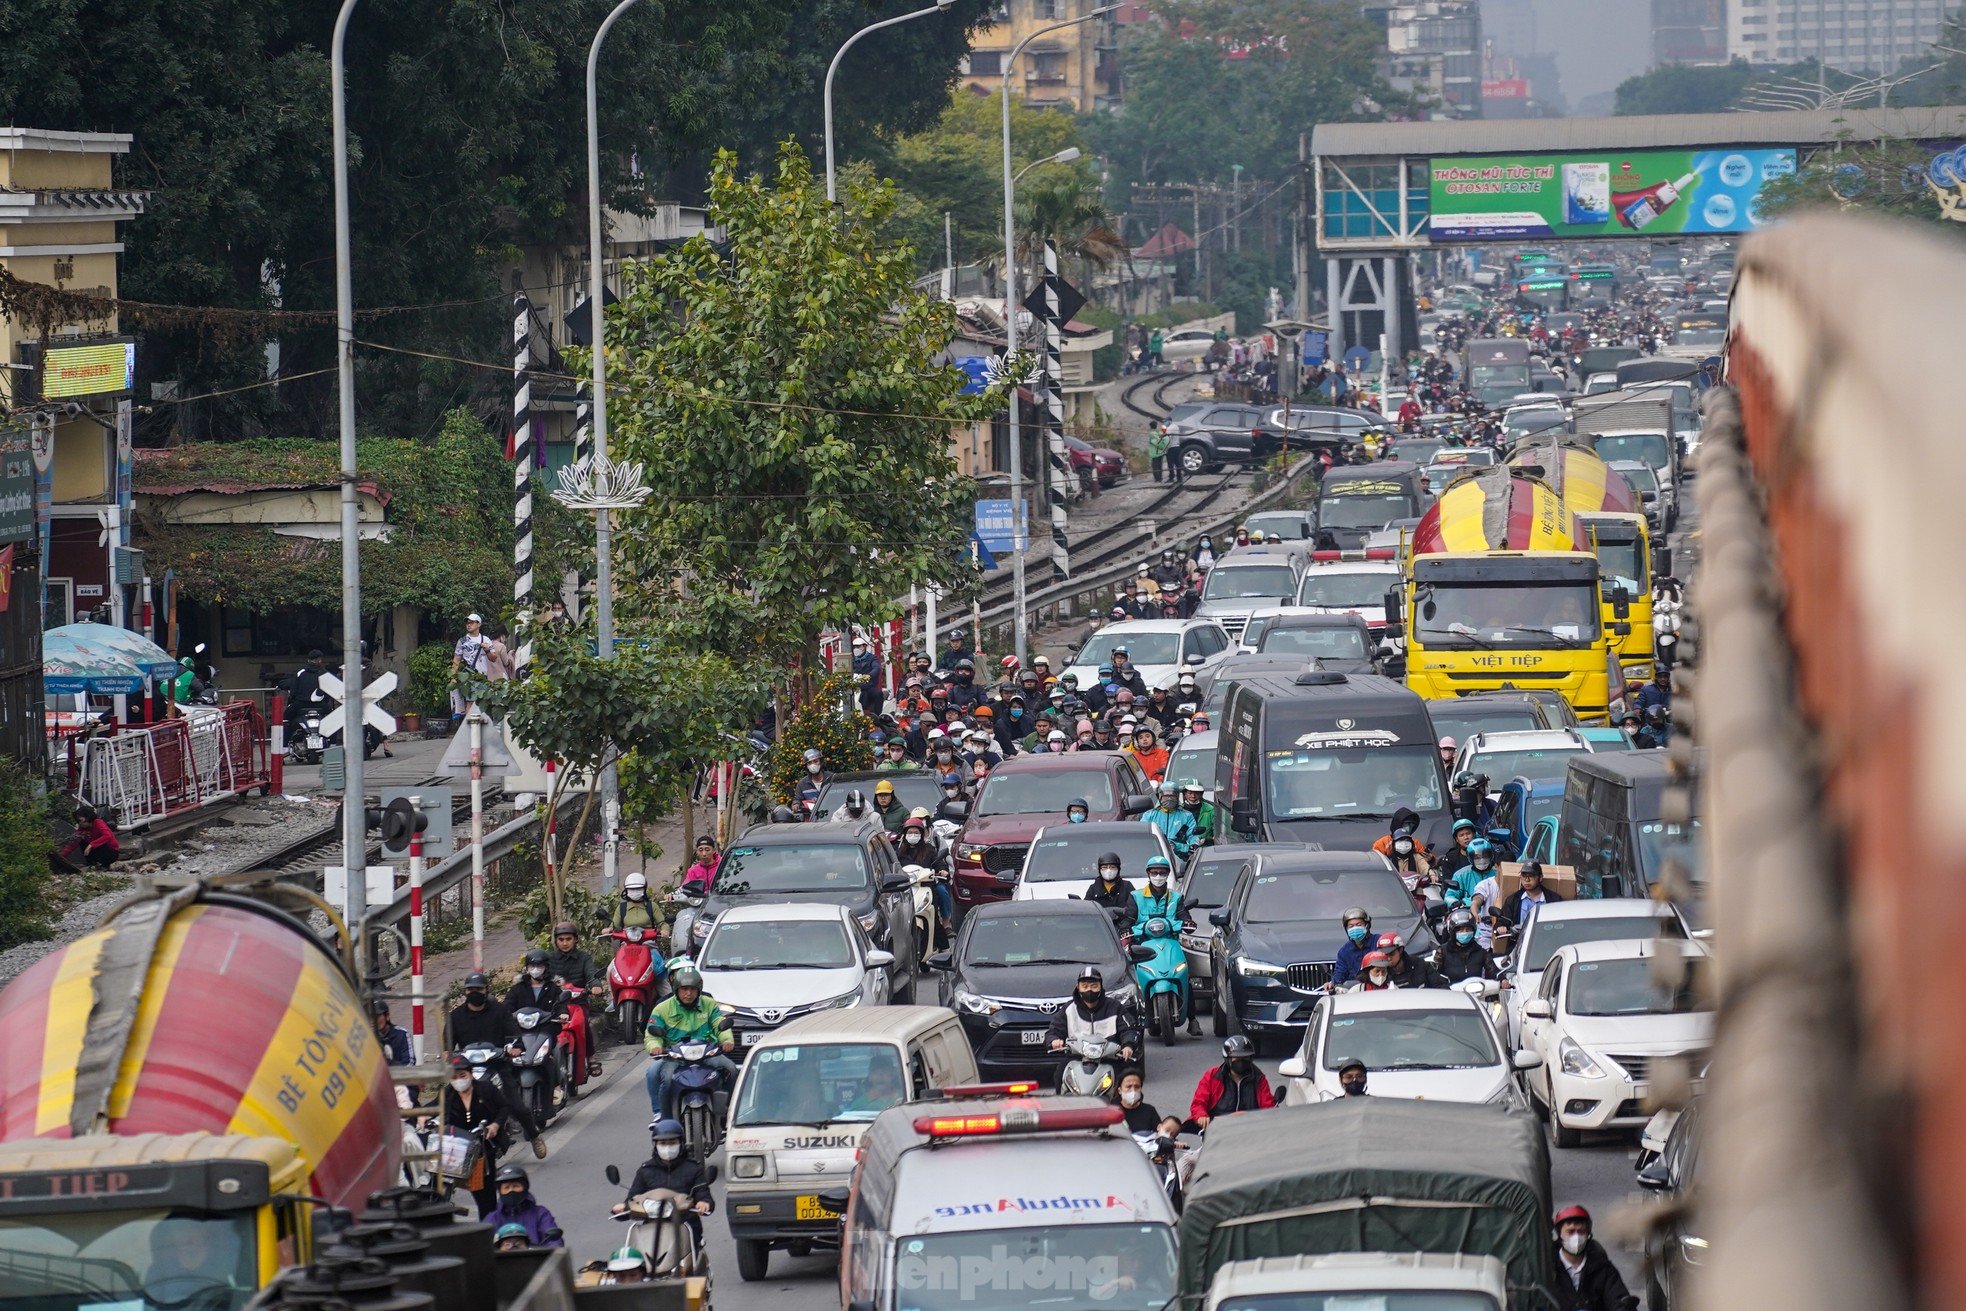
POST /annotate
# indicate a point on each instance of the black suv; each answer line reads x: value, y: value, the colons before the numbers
x: 1014, y: 965
x: 1673, y: 1240
x: 1280, y: 933
x: 850, y: 864
x: 1202, y: 436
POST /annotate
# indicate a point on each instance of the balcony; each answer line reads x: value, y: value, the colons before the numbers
x: 1037, y: 77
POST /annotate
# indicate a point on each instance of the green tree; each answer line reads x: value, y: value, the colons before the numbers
x: 1684, y: 89
x: 25, y: 847
x: 1881, y: 177
x: 781, y: 400
x: 1068, y: 212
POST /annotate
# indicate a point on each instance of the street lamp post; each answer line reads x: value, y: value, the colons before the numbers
x: 1019, y: 538
x: 827, y: 98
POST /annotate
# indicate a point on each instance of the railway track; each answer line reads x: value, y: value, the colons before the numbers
x: 309, y: 852
x: 1129, y: 396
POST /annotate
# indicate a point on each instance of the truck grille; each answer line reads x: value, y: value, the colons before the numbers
x: 1309, y: 978
x: 1006, y: 859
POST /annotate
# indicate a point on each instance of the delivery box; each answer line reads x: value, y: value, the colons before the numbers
x: 1558, y: 880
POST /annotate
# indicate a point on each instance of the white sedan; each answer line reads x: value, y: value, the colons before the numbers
x: 1605, y: 1017
x: 1561, y: 923
x: 773, y: 963
x: 1186, y: 344
x: 1436, y: 1045
x: 1063, y: 859
x: 1159, y: 648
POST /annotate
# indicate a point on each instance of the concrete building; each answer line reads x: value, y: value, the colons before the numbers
x: 1689, y: 32
x: 1076, y: 68
x: 1873, y: 36
x: 1434, y: 49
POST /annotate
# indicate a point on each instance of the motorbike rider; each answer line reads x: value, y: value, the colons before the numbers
x: 812, y: 780
x: 1125, y: 674
x: 1175, y: 824
x: 1481, y: 865
x: 1375, y: 973
x: 1151, y: 757
x: 1092, y: 1014
x: 1111, y: 892
x: 472, y: 1104
x: 1076, y: 811
x: 1357, y: 923
x: 535, y: 987
x: 1409, y: 970
x: 394, y: 1041
x: 1461, y: 957
x: 479, y: 1019
x: 1233, y: 1086
x: 1159, y: 900
x: 667, y: 1167
x: 1167, y: 570
x: 919, y: 847
x: 517, y: 1206
x: 1657, y: 730
x: 964, y: 694
x: 1455, y: 858
x: 853, y: 808
x: 894, y: 755
x: 1141, y: 1117
x: 572, y: 966
x: 1519, y: 906
x: 1658, y: 692
x: 687, y: 1014
x: 306, y: 691
x: 1351, y: 1077
x: 1197, y: 804
x: 700, y: 875
x: 1595, y: 1284
x: 635, y: 909
x: 954, y: 805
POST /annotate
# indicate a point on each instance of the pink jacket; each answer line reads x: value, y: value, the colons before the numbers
x: 700, y: 876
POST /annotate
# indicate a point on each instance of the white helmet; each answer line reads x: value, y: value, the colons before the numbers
x: 634, y: 885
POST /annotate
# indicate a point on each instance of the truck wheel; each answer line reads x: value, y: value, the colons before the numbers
x: 753, y: 1259
x: 1165, y: 1022
x: 1194, y: 459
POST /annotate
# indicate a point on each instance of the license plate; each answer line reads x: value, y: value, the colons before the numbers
x: 750, y: 1037
x: 807, y: 1207
x: 1033, y: 1037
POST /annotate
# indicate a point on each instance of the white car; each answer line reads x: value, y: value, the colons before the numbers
x: 1063, y: 859
x: 1602, y: 1020
x: 1356, y: 587
x: 1159, y: 648
x: 1193, y: 757
x: 1560, y: 924
x: 1186, y: 344
x: 772, y: 963
x: 1434, y: 1044
x: 1534, y: 753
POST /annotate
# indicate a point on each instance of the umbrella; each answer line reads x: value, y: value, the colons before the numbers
x: 100, y: 658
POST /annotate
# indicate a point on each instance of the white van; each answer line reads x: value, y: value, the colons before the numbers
x: 1001, y: 1204
x: 806, y: 1095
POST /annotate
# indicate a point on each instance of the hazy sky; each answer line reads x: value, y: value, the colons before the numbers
x: 1598, y: 43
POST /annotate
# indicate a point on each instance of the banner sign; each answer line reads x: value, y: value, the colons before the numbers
x: 995, y: 524
x: 97, y: 369
x: 1640, y: 193
x: 18, y: 504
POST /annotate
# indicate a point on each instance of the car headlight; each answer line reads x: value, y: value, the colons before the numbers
x: 869, y: 920
x: 747, y: 1167
x: 841, y: 1003
x: 969, y: 851
x: 974, y: 1004
x: 1575, y: 1061
x: 1259, y: 968
x: 700, y: 930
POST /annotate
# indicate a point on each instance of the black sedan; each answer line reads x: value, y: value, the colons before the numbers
x: 1014, y: 965
x: 1281, y: 930
x: 1673, y: 1241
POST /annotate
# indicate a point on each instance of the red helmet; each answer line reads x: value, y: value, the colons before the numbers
x: 1390, y: 943
x: 1008, y: 662
x: 1375, y: 960
x: 1571, y: 1213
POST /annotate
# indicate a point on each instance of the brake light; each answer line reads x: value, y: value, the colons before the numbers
x: 987, y: 1090
x: 1017, y: 1119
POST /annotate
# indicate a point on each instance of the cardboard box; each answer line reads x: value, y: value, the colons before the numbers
x: 1558, y: 879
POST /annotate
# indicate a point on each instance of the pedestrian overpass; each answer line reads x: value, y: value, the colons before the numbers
x: 1387, y: 190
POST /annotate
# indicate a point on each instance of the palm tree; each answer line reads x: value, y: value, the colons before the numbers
x: 1068, y: 211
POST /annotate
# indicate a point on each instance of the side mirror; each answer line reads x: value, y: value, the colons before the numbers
x: 1538, y: 1008
x: 1621, y: 605
x: 879, y: 959
x: 896, y: 883
x: 1528, y: 1060
x: 1662, y: 562
x: 1242, y: 815
x: 941, y: 960
x: 1139, y: 955
x: 1653, y: 1177
x: 710, y: 1174
x: 1291, y: 1067
x: 613, y: 1172
x: 1395, y: 608
x: 1136, y: 803
x: 1501, y: 835
x: 957, y: 810
x: 1219, y: 918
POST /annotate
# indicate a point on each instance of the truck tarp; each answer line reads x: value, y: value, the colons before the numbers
x: 1374, y: 1175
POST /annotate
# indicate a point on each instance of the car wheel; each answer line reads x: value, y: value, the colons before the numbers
x: 1561, y: 1134
x: 1655, y: 1296
x: 1194, y: 459
x: 753, y: 1259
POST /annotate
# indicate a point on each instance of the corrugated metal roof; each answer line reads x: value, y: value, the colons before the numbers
x: 1638, y: 132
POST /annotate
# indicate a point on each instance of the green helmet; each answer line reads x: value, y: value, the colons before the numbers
x: 684, y: 974
x: 627, y: 1258
x: 506, y: 1231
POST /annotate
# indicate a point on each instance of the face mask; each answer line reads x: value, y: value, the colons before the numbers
x: 475, y: 1000
x: 1015, y: 713
x: 1091, y: 999
x: 1481, y: 863
x: 1353, y: 1087
x: 536, y: 971
x: 1404, y: 846
x: 1109, y: 875
x: 1157, y: 881
x: 912, y: 837
x: 813, y: 768
x: 462, y: 1083
x: 511, y: 1201
x: 1129, y: 1097
x: 1240, y: 1065
x: 1464, y: 936
x: 1377, y: 978
x: 1356, y: 933
x: 944, y: 753
x: 1076, y: 817
x: 1573, y: 1243
x: 668, y: 1151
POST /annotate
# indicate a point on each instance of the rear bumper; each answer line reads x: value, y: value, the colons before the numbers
x: 773, y: 1217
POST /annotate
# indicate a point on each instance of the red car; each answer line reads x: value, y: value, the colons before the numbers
x: 1107, y: 466
x: 1025, y: 794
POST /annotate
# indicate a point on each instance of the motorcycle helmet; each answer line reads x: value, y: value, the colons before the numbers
x: 476, y: 979
x: 378, y: 1009
x: 783, y: 815
x: 635, y: 884
x: 812, y: 755
x: 623, y: 1259
x: 856, y: 802
x: 565, y: 929
x: 1460, y: 918
x: 661, y: 1130
x: 1158, y: 870
x: 1479, y: 850
x: 1091, y: 974
x: 1460, y: 824
x: 1238, y: 1047
x: 1571, y: 1213
x: 512, y: 1174
x: 1109, y: 858
x: 684, y: 974
x: 508, y: 1231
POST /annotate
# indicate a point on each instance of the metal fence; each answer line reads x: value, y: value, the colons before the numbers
x: 145, y: 774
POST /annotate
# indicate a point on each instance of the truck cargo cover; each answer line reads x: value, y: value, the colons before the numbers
x: 1374, y: 1175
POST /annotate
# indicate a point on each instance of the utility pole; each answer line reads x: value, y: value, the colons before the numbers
x: 1301, y: 236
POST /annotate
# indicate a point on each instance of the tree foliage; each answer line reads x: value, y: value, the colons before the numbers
x: 782, y: 400
x: 1684, y: 89
x: 1883, y: 177
x: 830, y: 723
x: 25, y: 847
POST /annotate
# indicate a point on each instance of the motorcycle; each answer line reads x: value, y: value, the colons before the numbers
x: 1091, y: 1068
x: 537, y: 1063
x: 490, y: 1061
x: 1163, y: 977
x: 1666, y: 621
x: 656, y: 1229
x: 631, y: 980
x: 683, y: 922
x: 1169, y: 1156
x: 922, y: 879
x: 700, y: 1099
x: 307, y: 742
x: 570, y: 1044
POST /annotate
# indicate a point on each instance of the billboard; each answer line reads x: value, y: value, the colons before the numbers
x: 1638, y: 193
x: 98, y: 368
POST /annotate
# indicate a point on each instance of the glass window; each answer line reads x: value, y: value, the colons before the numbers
x: 795, y: 867
x: 1059, y: 857
x: 1647, y: 448
x: 1142, y: 648
x: 1323, y: 894
x: 1275, y: 581
x: 1371, y: 510
x: 1039, y: 939
x: 1628, y: 987
x: 1192, y: 763
x: 1538, y: 763
x: 1657, y: 840
x: 1061, y: 1267
x: 1438, y: 1040
x: 1337, y: 643
x: 778, y: 945
x: 1213, y: 879
x: 1361, y: 1300
x: 127, y: 1260
x: 1516, y: 614
x: 1352, y: 783
x: 1542, y: 939
x: 820, y: 1084
x: 1346, y: 590
x: 1041, y: 793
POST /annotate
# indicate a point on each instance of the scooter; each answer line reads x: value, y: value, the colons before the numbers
x: 1091, y: 1068
x: 307, y: 742
x: 1163, y: 977
x: 683, y: 922
x: 570, y: 1044
x: 1168, y: 1156
x: 490, y: 1061
x: 631, y: 980
x: 658, y: 1230
x: 923, y: 879
x: 700, y: 1099
x: 537, y: 1063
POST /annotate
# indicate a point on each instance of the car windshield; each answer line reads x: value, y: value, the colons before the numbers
x: 912, y: 787
x: 1640, y: 476
x: 820, y: 1083
x: 1036, y: 939
x: 1141, y: 648
x: 1352, y: 782
x: 1213, y: 879
x: 1323, y: 894
x: 1419, y: 449
x: 793, y: 867
x: 1484, y: 616
x: 778, y: 945
x: 1043, y: 792
x: 1290, y: 527
x: 1061, y: 856
x: 1700, y: 337
x: 1460, y: 720
x: 1647, y: 448
x: 1536, y: 764
x: 142, y: 1260
x: 1347, y: 590
x: 1430, y: 1040
x: 1631, y: 987
x: 1622, y: 563
x: 1060, y: 1267
x: 1344, y: 508
x: 1225, y: 583
x: 1197, y: 763
x: 1546, y: 936
x: 1658, y: 840
x: 1182, y: 413
x: 1338, y: 643
x: 1534, y: 421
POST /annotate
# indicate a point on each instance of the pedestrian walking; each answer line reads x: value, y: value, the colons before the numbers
x: 1157, y: 451
x: 1154, y: 344
x: 473, y: 652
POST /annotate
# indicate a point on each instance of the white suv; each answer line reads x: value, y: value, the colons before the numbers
x: 1534, y: 753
